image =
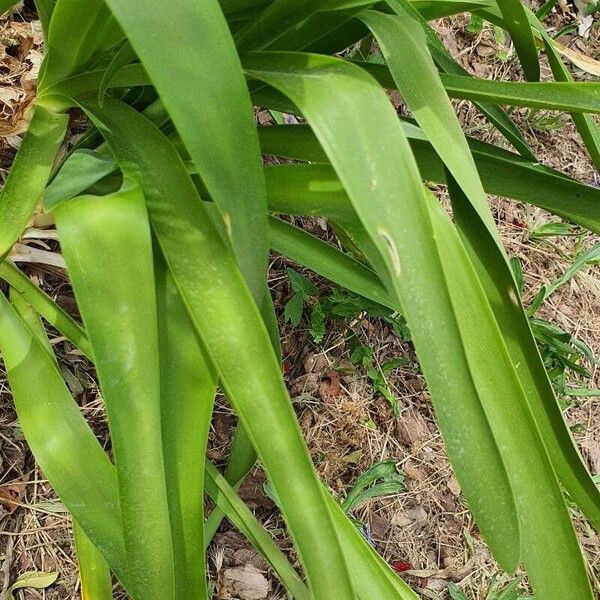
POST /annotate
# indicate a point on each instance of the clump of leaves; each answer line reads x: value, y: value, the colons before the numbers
x: 561, y: 351
x: 381, y: 479
x: 338, y: 304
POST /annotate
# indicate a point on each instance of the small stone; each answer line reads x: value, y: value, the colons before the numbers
x: 247, y: 583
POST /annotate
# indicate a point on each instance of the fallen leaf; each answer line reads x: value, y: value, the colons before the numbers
x: 331, y: 387
x: 32, y: 579
x: 401, y: 566
x: 11, y: 494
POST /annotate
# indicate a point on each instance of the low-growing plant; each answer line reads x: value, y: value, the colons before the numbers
x: 166, y: 214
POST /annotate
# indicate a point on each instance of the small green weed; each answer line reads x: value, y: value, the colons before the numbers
x: 561, y: 351
x: 339, y: 304
x: 377, y: 374
x: 381, y: 479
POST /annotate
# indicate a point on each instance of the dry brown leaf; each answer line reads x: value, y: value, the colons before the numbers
x: 584, y: 62
x: 11, y: 495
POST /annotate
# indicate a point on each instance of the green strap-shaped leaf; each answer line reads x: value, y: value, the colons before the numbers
x: 316, y: 190
x: 44, y: 9
x: 404, y: 47
x: 59, y: 96
x: 430, y: 272
x: 587, y: 127
x: 565, y: 96
x: 45, y: 306
x: 6, y: 5
x: 242, y: 458
x: 436, y: 9
x: 496, y: 276
x: 96, y: 579
x: 432, y: 110
x: 80, y: 171
x: 60, y: 439
x: 448, y: 64
x: 107, y: 247
x: 494, y: 510
x: 372, y: 571
x: 517, y: 24
x: 188, y: 386
x: 215, y: 134
x: 328, y: 262
x: 29, y: 174
x: 274, y: 21
x: 233, y: 334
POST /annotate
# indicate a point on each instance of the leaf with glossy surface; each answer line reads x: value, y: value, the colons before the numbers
x: 71, y: 458
x: 564, y: 96
x: 106, y: 244
x: 530, y: 182
x: 188, y: 386
x: 96, y: 580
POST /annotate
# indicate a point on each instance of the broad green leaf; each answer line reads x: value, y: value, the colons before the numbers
x: 587, y: 127
x: 436, y: 9
x: 215, y: 134
x: 80, y: 171
x: 376, y: 579
x: 517, y: 24
x: 448, y: 64
x: 233, y: 334
x: 494, y: 510
x: 31, y: 319
x: 451, y: 146
x: 59, y: 96
x: 188, y: 386
x: 29, y: 174
x: 107, y: 247
x: 44, y: 9
x: 96, y: 579
x: 123, y: 56
x: 6, y: 5
x: 496, y: 277
x: 242, y: 458
x: 71, y: 458
x: 274, y: 21
x: 76, y: 29
x: 404, y: 46
x: 32, y: 579
x: 327, y: 261
x: 387, y: 194
x: 94, y: 573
